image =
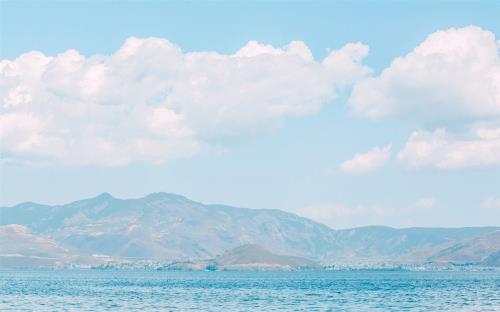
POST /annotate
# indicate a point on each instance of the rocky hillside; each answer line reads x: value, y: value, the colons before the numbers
x: 21, y: 248
x: 477, y: 249
x: 380, y: 243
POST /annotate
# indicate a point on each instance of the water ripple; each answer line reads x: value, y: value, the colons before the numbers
x: 94, y: 290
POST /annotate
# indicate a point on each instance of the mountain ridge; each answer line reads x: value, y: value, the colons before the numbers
x: 166, y: 211
x: 167, y: 226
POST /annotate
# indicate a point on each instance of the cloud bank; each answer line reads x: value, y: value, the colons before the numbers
x: 150, y: 101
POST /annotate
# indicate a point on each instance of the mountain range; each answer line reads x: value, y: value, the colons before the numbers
x: 170, y: 227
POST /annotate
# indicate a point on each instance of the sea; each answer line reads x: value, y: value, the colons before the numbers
x: 370, y: 290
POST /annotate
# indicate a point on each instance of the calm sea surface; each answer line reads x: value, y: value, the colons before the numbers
x: 96, y: 290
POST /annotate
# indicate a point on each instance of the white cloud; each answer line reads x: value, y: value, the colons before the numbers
x: 425, y: 203
x: 369, y: 161
x: 452, y: 74
x: 445, y: 151
x: 149, y: 101
x: 492, y: 203
x: 339, y: 215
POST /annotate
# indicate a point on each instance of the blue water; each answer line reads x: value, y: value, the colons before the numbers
x: 96, y: 290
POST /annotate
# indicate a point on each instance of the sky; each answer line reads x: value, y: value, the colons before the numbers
x: 351, y: 114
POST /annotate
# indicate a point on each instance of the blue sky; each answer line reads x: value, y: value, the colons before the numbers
x: 290, y: 160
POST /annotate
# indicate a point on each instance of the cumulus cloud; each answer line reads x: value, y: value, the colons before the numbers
x: 150, y: 101
x: 342, y: 215
x: 439, y: 149
x: 452, y: 74
x: 369, y: 161
x: 492, y: 203
x: 338, y: 215
x: 425, y: 203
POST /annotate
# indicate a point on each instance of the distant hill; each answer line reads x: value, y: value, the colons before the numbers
x: 254, y: 256
x: 170, y: 227
x: 247, y: 257
x: 380, y: 243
